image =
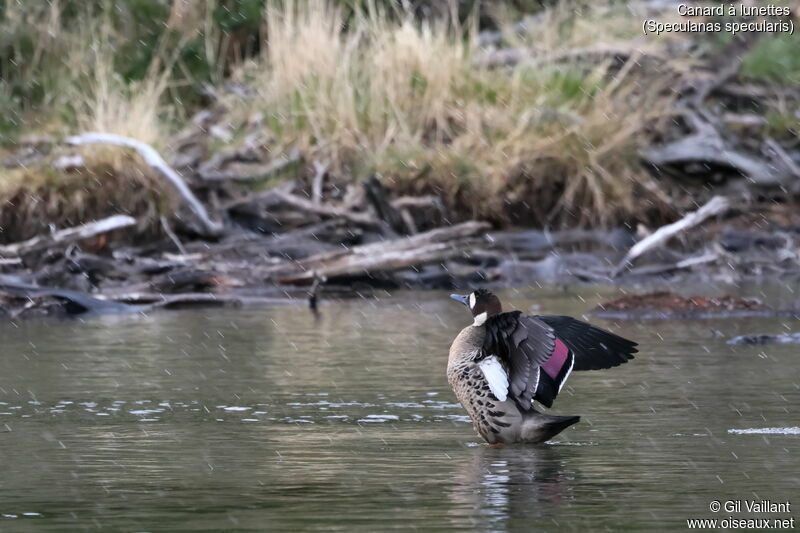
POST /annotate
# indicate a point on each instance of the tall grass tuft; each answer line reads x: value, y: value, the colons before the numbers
x: 552, y: 140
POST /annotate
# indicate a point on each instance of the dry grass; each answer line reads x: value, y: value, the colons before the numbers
x: 551, y: 142
x: 85, y: 93
x: 99, y: 99
x: 112, y: 106
x: 112, y: 182
x: 67, y: 70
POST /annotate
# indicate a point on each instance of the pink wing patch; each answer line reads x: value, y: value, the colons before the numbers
x: 557, y: 361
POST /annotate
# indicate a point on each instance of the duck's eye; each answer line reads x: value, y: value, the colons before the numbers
x: 472, y: 300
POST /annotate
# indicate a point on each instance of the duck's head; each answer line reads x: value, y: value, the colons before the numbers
x: 482, y: 304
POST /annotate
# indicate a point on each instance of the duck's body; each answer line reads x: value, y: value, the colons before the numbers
x: 496, y: 421
x: 503, y: 361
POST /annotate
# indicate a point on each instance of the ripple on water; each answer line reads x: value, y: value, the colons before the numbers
x: 766, y: 431
x: 457, y: 418
x: 140, y: 412
x: 20, y: 515
x: 316, y: 409
x: 380, y: 418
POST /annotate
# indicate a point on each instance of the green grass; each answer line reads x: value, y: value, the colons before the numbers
x: 784, y: 125
x: 775, y: 59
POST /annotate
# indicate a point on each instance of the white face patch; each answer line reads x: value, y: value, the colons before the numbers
x: 496, y: 376
x: 472, y: 300
x: 480, y: 319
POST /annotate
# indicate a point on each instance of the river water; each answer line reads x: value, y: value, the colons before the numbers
x: 267, y: 419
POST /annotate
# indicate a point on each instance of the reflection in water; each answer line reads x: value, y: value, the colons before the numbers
x: 506, y: 484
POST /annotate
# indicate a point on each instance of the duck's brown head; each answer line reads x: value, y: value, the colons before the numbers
x: 482, y: 304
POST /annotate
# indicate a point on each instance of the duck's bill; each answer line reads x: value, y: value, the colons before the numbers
x: 464, y: 299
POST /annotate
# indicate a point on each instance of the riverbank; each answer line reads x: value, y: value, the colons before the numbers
x: 406, y: 153
x: 334, y: 253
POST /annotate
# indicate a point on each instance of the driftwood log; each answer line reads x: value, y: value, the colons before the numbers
x: 716, y: 206
x: 706, y: 147
x: 211, y: 171
x: 67, y: 236
x: 431, y: 246
x: 327, y: 211
x: 76, y: 303
x: 208, y: 227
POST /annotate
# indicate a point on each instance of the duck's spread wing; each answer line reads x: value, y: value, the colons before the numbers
x: 523, y: 344
x: 539, y: 352
x: 593, y: 348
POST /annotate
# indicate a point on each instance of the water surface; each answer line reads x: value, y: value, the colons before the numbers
x: 265, y: 419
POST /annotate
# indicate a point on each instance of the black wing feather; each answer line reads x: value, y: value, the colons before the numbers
x: 594, y: 348
x: 523, y: 343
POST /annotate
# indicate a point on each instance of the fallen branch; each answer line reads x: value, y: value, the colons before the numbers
x: 69, y: 235
x: 260, y: 199
x: 320, y: 169
x: 321, y: 209
x: 153, y: 158
x: 150, y: 301
x: 785, y: 158
x: 706, y: 145
x: 716, y: 206
x: 77, y: 303
x: 378, y: 198
x: 702, y: 148
x: 431, y: 246
x: 703, y: 259
x: 250, y: 172
x: 172, y: 236
x: 663, y: 268
x: 418, y: 201
x: 147, y: 301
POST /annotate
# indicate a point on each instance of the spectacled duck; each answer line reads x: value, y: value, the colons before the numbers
x: 502, y: 362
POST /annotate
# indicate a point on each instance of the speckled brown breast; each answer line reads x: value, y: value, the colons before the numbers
x: 496, y: 421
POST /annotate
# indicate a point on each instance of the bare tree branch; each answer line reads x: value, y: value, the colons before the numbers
x: 69, y: 235
x: 154, y: 159
x: 716, y: 206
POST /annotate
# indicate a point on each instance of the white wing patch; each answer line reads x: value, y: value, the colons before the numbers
x: 569, y: 371
x: 496, y: 375
x: 533, y: 383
